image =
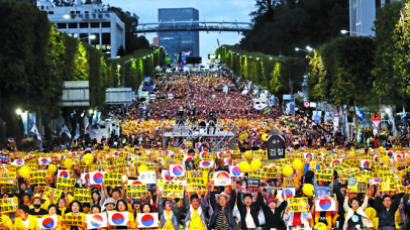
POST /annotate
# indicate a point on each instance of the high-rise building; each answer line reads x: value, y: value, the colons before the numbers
x: 177, y: 42
x: 91, y: 23
x: 363, y: 15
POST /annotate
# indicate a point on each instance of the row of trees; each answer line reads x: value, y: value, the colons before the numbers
x: 35, y: 59
x: 280, y: 25
x: 274, y: 73
x: 364, y: 71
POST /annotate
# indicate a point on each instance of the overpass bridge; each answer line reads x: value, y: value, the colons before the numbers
x: 184, y: 26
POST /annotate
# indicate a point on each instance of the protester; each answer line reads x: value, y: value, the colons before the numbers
x: 183, y: 182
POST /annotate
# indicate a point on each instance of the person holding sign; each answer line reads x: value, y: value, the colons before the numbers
x: 25, y: 221
x: 297, y: 213
x: 273, y: 213
x: 196, y: 212
x: 356, y: 218
x: 386, y: 209
x: 222, y: 217
x: 122, y: 206
x: 76, y: 211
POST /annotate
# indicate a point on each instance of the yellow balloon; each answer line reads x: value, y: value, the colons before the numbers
x: 256, y: 164
x: 297, y: 164
x: 308, y: 190
x: 88, y: 158
x: 68, y: 163
x: 142, y: 168
x: 265, y: 136
x: 320, y: 226
x: 386, y: 159
x: 244, y: 167
x: 52, y: 168
x: 25, y: 172
x: 248, y: 154
x: 287, y: 170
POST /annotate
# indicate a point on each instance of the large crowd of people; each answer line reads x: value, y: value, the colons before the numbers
x: 130, y: 180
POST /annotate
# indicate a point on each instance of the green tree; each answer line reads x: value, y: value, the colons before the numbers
x: 386, y: 81
x: 348, y: 62
x: 288, y: 72
x: 401, y: 53
x: 292, y: 23
x: 318, y: 83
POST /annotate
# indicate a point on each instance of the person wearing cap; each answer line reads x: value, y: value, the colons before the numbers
x: 37, y: 211
x: 249, y: 210
x: 196, y: 212
x: 273, y: 214
x: 109, y: 205
x: 222, y: 217
x: 24, y: 220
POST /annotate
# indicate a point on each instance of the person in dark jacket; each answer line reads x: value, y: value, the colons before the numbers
x: 273, y: 214
x: 222, y: 217
x: 249, y: 210
x: 386, y: 208
x: 406, y: 206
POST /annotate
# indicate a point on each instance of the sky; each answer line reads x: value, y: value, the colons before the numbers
x: 209, y: 10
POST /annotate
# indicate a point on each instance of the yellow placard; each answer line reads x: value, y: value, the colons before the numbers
x: 82, y: 195
x: 173, y: 189
x: 324, y: 175
x: 270, y: 172
x: 73, y: 220
x: 298, y: 204
x: 56, y: 193
x: 66, y: 184
x: 112, y: 179
x: 38, y: 177
x: 136, y: 191
x: 196, y: 180
x: 8, y: 205
x: 387, y: 184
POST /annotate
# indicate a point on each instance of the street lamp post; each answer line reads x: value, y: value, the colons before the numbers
x: 24, y: 117
x: 307, y: 50
x: 344, y: 32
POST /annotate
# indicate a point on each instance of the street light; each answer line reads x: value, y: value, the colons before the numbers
x: 307, y: 50
x: 24, y: 118
x: 119, y: 67
x: 90, y: 37
x: 344, y: 32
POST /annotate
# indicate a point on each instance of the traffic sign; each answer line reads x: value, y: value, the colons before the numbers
x: 336, y: 114
x: 376, y: 120
x: 376, y: 117
x: 306, y: 104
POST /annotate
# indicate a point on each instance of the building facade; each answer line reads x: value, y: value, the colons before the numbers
x: 363, y: 15
x: 177, y: 42
x: 91, y: 23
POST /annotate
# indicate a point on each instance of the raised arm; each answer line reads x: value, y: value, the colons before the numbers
x: 396, y: 203
x: 259, y: 200
x: 239, y: 202
x: 365, y: 202
x: 345, y: 204
x: 232, y: 199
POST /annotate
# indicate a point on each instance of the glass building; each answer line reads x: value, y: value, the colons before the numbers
x: 179, y: 41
